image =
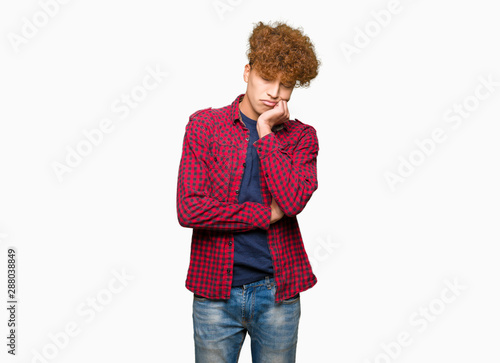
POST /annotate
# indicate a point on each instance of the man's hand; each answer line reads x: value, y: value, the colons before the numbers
x: 276, y: 212
x: 275, y: 116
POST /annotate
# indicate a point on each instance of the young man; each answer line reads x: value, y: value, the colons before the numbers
x: 245, y: 173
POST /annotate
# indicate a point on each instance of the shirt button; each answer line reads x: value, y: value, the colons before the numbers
x: 237, y: 191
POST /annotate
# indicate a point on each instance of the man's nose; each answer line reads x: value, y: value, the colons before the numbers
x: 274, y: 89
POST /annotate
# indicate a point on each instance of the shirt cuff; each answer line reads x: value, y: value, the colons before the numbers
x: 266, y: 145
x: 262, y: 218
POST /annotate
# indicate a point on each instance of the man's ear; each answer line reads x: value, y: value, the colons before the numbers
x: 246, y: 73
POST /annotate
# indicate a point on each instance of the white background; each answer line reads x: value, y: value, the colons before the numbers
x: 380, y: 254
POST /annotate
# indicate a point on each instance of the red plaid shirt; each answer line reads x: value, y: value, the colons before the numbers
x: 210, y: 173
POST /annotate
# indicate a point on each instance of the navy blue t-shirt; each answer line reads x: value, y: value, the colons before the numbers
x: 252, y: 259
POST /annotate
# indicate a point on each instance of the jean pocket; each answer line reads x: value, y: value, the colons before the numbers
x: 292, y: 299
x: 199, y: 297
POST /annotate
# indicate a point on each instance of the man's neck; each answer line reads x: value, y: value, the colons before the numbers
x: 247, y: 109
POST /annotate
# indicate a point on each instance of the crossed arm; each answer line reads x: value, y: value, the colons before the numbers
x: 291, y: 179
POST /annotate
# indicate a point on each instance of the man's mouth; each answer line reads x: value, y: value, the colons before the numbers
x: 269, y: 103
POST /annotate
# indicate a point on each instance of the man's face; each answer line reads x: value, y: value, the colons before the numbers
x: 263, y: 94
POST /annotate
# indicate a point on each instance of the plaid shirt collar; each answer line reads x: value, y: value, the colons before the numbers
x: 235, y: 114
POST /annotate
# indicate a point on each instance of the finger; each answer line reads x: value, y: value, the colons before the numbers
x: 283, y: 112
x: 284, y: 108
x: 279, y: 105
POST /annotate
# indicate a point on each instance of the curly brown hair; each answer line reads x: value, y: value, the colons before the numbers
x: 277, y: 50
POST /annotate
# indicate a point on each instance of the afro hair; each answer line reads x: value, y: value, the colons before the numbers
x: 277, y: 50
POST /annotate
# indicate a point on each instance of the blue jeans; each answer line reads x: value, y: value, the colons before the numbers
x: 220, y: 326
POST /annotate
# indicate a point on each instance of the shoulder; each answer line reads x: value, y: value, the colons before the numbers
x: 201, y: 115
x: 200, y: 121
x: 221, y: 116
x: 301, y: 135
x: 300, y: 129
x: 211, y: 116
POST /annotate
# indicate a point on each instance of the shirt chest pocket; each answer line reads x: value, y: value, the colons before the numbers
x: 219, y: 169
